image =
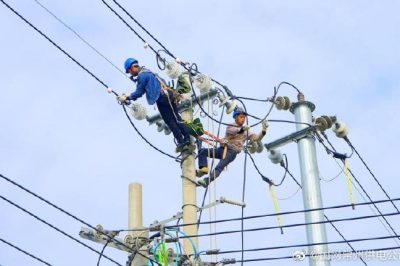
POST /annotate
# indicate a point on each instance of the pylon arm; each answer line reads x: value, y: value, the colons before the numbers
x: 294, y: 137
x: 184, y: 105
x: 89, y: 234
x: 207, y: 206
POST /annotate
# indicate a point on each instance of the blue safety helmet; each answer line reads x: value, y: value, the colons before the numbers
x: 128, y: 63
x: 238, y: 111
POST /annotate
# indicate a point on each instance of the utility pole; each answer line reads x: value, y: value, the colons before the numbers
x: 135, y: 221
x: 189, y: 200
x: 310, y: 181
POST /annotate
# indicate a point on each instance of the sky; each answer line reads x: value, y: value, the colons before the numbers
x: 65, y: 138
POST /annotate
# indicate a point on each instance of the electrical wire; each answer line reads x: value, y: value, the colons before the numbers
x: 363, y: 189
x: 25, y: 252
x: 66, y: 212
x: 282, y: 213
x: 295, y: 225
x: 327, y: 254
x: 79, y: 36
x: 369, y: 170
x: 330, y: 221
x: 86, y: 70
x: 309, y: 244
x: 56, y: 228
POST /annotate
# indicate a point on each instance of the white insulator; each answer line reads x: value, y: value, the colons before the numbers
x: 203, y: 83
x: 98, y: 232
x: 172, y: 70
x: 230, y: 107
x: 128, y: 239
x: 138, y: 111
x: 275, y: 156
x: 167, y: 131
x: 260, y: 147
x: 109, y: 90
x: 145, y: 45
x: 252, y: 147
x: 178, y: 60
x: 340, y: 130
x: 222, y: 100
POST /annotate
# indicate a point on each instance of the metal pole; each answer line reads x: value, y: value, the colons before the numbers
x: 311, y: 184
x: 189, y: 206
x: 135, y: 221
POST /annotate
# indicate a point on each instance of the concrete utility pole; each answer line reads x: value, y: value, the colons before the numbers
x: 189, y: 200
x: 135, y: 221
x: 311, y: 183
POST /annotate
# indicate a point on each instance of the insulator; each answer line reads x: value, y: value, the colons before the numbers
x: 340, y: 130
x: 275, y: 156
x: 145, y: 45
x: 328, y: 120
x: 178, y: 60
x: 321, y: 123
x: 167, y: 131
x: 203, y: 83
x: 324, y: 122
x: 260, y: 147
x: 252, y: 147
x: 280, y: 103
x: 287, y: 103
x: 230, y: 107
x: 215, y: 101
x: 128, y: 240
x: 138, y: 111
x: 98, y: 232
x: 171, y: 255
x: 173, y: 70
x: 300, y: 97
x: 109, y: 90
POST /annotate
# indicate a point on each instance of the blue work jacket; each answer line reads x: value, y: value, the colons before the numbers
x: 148, y: 83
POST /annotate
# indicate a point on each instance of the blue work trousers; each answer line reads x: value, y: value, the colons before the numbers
x: 170, y: 115
x: 216, y: 153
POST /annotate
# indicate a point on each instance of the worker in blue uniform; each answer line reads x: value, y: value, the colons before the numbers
x: 157, y: 92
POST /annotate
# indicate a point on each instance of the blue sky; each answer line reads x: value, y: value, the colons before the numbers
x: 65, y: 138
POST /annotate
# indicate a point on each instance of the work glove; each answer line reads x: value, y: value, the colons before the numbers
x: 243, y: 129
x: 123, y: 99
x: 264, y: 125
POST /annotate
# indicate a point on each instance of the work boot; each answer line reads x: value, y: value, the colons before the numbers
x: 202, y: 171
x: 203, y: 182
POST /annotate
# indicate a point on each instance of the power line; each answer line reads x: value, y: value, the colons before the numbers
x: 66, y: 212
x: 79, y: 36
x: 88, y: 71
x: 25, y: 252
x: 309, y: 244
x: 369, y: 170
x: 328, y: 254
x: 56, y: 228
x: 283, y: 213
x: 292, y: 225
x: 362, y: 188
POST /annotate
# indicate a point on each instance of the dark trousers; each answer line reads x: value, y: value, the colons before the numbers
x: 167, y: 108
x: 216, y: 153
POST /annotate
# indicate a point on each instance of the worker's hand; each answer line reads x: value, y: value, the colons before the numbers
x: 243, y: 129
x: 264, y: 125
x: 123, y: 99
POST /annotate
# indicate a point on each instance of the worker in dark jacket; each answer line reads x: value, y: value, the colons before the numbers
x: 235, y: 136
x: 157, y: 92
